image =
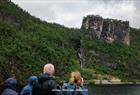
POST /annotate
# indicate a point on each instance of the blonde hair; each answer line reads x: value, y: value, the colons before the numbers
x: 75, y: 76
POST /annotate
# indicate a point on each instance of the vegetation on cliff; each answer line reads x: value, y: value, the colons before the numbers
x: 114, y: 59
x: 27, y: 43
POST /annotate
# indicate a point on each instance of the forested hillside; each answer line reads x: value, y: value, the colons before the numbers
x: 27, y: 43
x: 114, y: 59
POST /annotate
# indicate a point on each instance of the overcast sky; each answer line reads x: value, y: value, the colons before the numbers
x: 71, y: 12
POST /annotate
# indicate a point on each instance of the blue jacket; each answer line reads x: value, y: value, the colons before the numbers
x: 73, y: 89
x: 27, y: 90
x: 10, y: 85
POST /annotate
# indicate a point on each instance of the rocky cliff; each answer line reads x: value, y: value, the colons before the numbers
x: 106, y: 30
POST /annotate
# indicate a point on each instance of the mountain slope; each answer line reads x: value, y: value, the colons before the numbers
x: 27, y: 43
x: 114, y: 59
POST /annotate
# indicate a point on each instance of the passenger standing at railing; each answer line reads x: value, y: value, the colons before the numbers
x: 27, y: 90
x: 10, y: 87
x: 75, y: 85
x: 46, y: 82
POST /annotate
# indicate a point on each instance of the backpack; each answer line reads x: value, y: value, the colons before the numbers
x: 43, y: 86
x: 37, y: 86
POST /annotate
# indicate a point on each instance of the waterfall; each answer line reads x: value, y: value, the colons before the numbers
x: 80, y: 57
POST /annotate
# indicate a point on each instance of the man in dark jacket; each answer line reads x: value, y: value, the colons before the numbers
x: 45, y: 83
x: 10, y: 86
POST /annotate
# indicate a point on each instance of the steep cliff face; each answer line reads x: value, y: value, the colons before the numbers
x: 113, y: 59
x: 107, y: 30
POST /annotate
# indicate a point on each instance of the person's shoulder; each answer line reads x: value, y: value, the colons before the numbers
x: 66, y: 82
x: 67, y: 85
x: 27, y: 88
x: 8, y: 91
x: 52, y: 81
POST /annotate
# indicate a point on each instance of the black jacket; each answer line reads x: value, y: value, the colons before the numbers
x: 44, y: 85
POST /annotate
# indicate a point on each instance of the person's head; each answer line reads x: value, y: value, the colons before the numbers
x: 10, y: 83
x: 32, y: 79
x: 49, y: 69
x: 75, y: 77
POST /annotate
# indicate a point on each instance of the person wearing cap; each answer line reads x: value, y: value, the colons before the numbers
x: 10, y: 87
x: 27, y: 90
x: 46, y: 82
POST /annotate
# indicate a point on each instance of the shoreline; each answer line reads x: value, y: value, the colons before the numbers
x: 111, y: 82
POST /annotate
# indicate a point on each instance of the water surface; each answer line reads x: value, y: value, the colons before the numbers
x: 114, y: 89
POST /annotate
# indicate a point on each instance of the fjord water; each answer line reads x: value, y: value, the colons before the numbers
x: 114, y: 89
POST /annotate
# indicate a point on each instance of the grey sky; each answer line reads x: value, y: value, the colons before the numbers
x: 71, y: 12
